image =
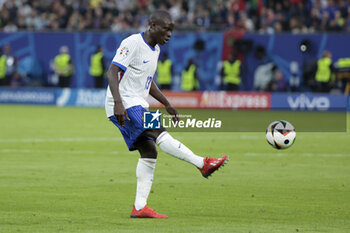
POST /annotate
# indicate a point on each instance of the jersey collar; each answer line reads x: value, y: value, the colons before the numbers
x: 143, y: 37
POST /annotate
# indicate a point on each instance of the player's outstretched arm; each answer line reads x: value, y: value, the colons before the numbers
x: 113, y: 81
x: 158, y: 95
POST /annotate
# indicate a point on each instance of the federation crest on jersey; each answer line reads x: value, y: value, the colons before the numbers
x: 124, y: 52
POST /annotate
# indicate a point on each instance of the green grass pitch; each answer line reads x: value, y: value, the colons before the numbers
x: 68, y: 170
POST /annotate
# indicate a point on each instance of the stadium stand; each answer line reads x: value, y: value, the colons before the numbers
x: 263, y: 16
x: 245, y: 22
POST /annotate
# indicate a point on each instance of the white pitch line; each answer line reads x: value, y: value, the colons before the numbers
x: 38, y: 140
x: 302, y: 135
x: 300, y: 154
x: 55, y: 151
x: 181, y: 137
x: 229, y: 136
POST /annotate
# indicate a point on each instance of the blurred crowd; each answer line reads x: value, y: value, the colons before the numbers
x: 258, y: 16
x: 262, y: 16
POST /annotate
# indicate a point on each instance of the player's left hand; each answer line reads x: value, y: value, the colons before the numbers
x: 172, y: 111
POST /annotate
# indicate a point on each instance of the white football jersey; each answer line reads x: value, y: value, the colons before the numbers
x: 138, y: 60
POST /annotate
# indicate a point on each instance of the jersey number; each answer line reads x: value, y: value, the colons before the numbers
x: 148, y: 82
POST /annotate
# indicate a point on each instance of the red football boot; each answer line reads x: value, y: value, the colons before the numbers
x: 212, y: 164
x: 146, y: 212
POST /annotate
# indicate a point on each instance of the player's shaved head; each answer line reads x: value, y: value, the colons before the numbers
x: 160, y: 28
x: 159, y: 16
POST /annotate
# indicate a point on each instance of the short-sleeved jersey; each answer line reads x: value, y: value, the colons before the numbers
x: 138, y: 60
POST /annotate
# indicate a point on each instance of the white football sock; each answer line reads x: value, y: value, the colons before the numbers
x: 175, y: 148
x: 144, y: 174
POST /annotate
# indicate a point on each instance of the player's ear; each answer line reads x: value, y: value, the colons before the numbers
x: 152, y: 26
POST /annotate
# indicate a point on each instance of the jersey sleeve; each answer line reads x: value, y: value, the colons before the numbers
x: 125, y: 53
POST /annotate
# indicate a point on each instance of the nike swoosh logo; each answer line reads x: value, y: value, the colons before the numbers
x: 145, y: 61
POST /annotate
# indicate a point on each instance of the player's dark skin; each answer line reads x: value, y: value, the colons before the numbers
x: 159, y: 32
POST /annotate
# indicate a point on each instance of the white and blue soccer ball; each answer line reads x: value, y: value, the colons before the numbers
x: 280, y: 134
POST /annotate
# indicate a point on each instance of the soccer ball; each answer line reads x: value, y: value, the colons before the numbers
x: 280, y: 134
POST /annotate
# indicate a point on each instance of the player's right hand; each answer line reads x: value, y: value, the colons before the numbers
x: 120, y: 113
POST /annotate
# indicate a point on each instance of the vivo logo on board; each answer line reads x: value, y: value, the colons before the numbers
x: 304, y: 102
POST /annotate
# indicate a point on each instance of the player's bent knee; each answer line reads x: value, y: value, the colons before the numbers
x: 147, y: 149
x: 150, y: 154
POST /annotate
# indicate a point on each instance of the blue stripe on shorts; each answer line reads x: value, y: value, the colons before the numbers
x: 132, y: 128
